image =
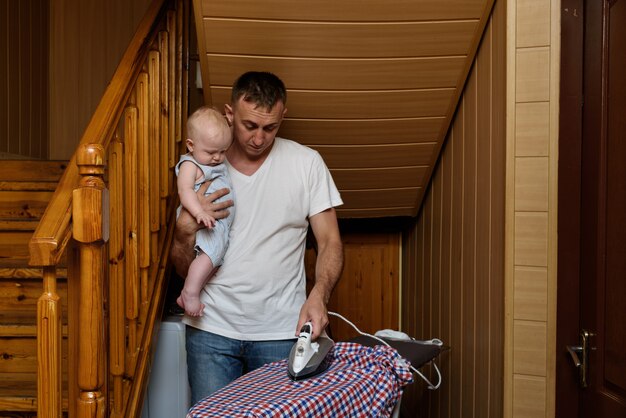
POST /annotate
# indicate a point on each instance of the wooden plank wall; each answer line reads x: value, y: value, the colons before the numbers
x: 23, y: 79
x: 453, y: 257
x: 87, y: 41
x: 533, y: 60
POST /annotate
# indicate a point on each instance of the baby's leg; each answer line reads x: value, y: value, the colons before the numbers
x: 199, y: 270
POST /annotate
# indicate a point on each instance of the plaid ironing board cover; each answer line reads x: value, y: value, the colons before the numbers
x: 361, y: 382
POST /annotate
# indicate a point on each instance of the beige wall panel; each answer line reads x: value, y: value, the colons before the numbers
x: 531, y: 293
x: 357, y: 105
x: 377, y: 156
x: 365, y: 132
x: 529, y: 347
x: 343, y: 74
x: 380, y: 198
x: 533, y: 23
x: 529, y: 397
x: 532, y: 129
x: 532, y: 83
x: 355, y: 179
x: 338, y: 40
x: 531, y: 184
x: 345, y: 10
x: 531, y: 239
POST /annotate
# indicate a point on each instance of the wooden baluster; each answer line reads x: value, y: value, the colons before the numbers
x: 90, y: 228
x: 143, y: 179
x: 172, y: 84
x: 154, y: 76
x: 49, y: 347
x: 132, y: 234
x: 117, y: 331
x: 164, y: 164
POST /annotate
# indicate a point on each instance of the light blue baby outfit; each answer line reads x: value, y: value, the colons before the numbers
x: 214, y: 241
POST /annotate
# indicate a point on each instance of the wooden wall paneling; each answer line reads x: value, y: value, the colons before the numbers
x: 366, y: 132
x: 484, y: 304
x: 344, y: 74
x: 401, y: 177
x: 375, y: 212
x: 21, y: 144
x: 377, y: 156
x: 348, y: 10
x: 381, y: 198
x: 533, y: 28
x: 469, y: 248
x: 458, y: 241
x: 13, y: 81
x: 530, y: 397
x: 337, y: 40
x: 456, y: 142
x: 367, y: 292
x: 532, y: 83
x: 87, y: 41
x: 4, y: 73
x: 23, y: 89
x: 356, y: 104
x: 498, y: 175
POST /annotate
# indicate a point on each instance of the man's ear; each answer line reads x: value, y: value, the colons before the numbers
x: 189, y: 143
x: 284, y: 112
x: 228, y: 112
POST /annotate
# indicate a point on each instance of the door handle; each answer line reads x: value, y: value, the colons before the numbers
x: 580, y: 356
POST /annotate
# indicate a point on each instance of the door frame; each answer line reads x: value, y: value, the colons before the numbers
x: 569, y: 196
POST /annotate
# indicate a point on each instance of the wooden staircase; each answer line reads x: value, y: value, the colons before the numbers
x: 25, y: 189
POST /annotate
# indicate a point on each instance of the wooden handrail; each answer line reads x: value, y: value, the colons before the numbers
x: 111, y: 217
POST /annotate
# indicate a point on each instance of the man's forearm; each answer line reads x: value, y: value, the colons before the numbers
x: 328, y: 269
x: 182, y: 253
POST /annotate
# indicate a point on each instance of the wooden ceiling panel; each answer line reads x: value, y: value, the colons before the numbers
x: 338, y: 40
x: 345, y: 10
x: 377, y: 156
x: 343, y: 74
x: 361, y: 132
x: 357, y: 104
x: 372, y: 85
x: 379, y: 178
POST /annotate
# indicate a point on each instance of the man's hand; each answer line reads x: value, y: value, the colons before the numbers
x: 314, y: 310
x: 182, y: 253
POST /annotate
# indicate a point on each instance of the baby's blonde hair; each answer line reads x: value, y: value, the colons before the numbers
x: 210, y: 115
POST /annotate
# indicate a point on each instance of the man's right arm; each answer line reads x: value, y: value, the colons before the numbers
x: 182, y: 253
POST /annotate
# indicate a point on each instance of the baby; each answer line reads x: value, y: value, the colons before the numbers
x: 209, y: 136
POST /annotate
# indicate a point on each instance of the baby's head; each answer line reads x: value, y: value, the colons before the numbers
x: 208, y: 136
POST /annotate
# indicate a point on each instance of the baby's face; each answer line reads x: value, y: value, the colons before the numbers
x: 210, y: 147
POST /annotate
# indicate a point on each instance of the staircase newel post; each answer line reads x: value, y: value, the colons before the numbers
x: 90, y: 228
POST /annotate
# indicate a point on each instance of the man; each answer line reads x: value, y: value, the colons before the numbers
x: 256, y: 302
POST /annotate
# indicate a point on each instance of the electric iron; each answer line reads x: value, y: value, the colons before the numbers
x: 309, y: 358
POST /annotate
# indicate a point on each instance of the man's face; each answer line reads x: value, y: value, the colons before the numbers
x: 254, y: 128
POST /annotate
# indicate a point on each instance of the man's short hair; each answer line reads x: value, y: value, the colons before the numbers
x: 264, y: 89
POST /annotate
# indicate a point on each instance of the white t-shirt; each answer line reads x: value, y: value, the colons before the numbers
x: 258, y: 291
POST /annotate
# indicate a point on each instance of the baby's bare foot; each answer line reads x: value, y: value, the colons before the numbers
x: 190, y: 303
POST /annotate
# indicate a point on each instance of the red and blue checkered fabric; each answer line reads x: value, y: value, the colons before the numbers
x: 361, y: 382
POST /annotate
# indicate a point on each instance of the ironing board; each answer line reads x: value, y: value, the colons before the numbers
x: 361, y: 381
x: 364, y: 379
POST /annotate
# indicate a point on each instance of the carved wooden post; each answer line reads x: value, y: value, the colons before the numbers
x: 90, y: 228
x: 49, y: 347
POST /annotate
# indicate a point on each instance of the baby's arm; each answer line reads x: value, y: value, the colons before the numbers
x: 188, y: 198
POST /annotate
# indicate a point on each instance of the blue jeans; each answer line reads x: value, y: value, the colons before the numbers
x: 214, y: 361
